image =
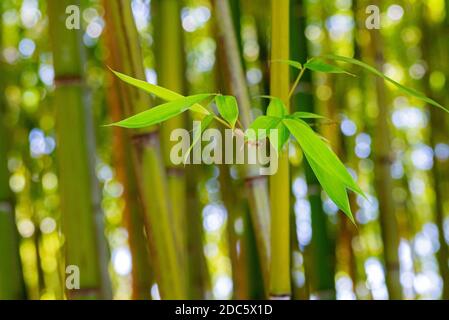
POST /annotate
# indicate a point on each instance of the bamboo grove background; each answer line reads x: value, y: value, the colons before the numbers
x: 109, y: 201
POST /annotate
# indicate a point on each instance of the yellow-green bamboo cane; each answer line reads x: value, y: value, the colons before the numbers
x: 82, y: 217
x: 154, y: 186
x: 256, y: 185
x: 11, y: 277
x: 383, y: 181
x: 134, y: 212
x: 280, y: 286
x: 168, y: 41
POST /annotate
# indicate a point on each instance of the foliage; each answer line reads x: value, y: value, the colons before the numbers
x: 330, y: 171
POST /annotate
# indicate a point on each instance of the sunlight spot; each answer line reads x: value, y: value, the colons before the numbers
x: 121, y: 260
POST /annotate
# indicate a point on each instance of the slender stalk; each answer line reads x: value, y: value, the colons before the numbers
x: 321, y: 273
x: 246, y: 273
x: 153, y: 181
x: 382, y: 179
x: 257, y: 188
x: 438, y: 134
x: 280, y: 285
x: 12, y: 284
x: 168, y: 40
x: 198, y: 276
x: 134, y: 209
x: 82, y: 220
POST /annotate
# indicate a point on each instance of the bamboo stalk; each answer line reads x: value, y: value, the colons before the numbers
x: 12, y: 284
x: 246, y: 272
x: 321, y: 273
x: 198, y: 276
x: 134, y: 209
x: 438, y: 134
x: 153, y: 180
x: 280, y: 286
x: 82, y: 218
x: 382, y: 179
x: 256, y: 185
x: 168, y: 41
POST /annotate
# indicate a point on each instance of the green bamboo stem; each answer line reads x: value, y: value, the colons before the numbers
x: 438, y: 134
x: 168, y: 40
x: 322, y: 271
x: 11, y: 278
x: 382, y: 179
x: 257, y: 188
x: 153, y: 180
x: 12, y: 285
x: 280, y: 285
x: 134, y: 210
x: 79, y: 196
x: 198, y: 275
x: 246, y: 272
x: 246, y: 268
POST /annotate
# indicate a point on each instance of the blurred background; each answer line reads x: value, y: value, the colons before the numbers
x: 73, y: 192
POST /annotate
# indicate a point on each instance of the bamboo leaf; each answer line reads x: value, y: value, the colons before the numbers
x: 334, y: 188
x: 283, y: 136
x: 161, y: 113
x: 376, y: 72
x: 228, y: 108
x: 197, y: 133
x: 263, y: 122
x: 158, y: 91
x: 276, y: 108
x: 318, y: 65
x: 316, y: 150
x: 306, y: 115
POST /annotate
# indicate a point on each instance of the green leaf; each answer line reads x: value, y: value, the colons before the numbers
x: 228, y: 108
x: 263, y: 122
x: 283, y: 136
x: 316, y: 150
x: 161, y: 113
x: 318, y: 65
x: 334, y: 188
x: 158, y: 91
x: 374, y: 71
x: 306, y: 115
x: 197, y: 133
x: 276, y: 108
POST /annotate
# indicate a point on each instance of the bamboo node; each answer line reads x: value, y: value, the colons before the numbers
x: 5, y: 206
x: 83, y: 293
x: 176, y: 171
x: 146, y: 139
x: 69, y: 80
x: 254, y: 179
